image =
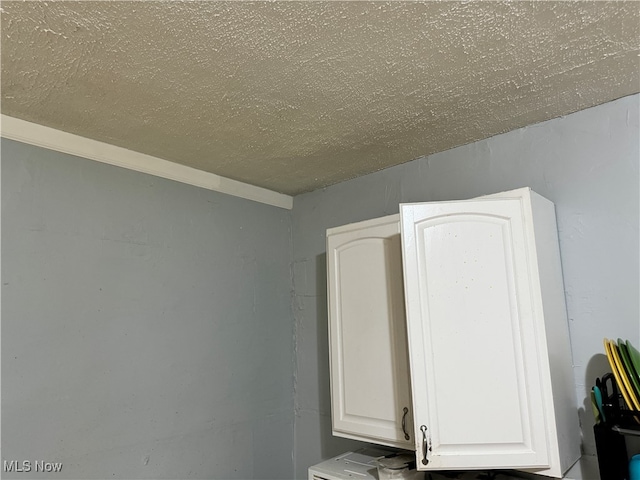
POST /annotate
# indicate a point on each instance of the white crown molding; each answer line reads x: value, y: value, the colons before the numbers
x: 52, y: 139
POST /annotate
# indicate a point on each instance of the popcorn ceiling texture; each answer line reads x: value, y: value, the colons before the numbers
x: 294, y: 96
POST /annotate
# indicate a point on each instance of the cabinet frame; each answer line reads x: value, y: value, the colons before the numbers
x: 550, y: 383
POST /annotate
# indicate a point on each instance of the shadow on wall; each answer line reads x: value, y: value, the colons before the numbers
x: 324, y: 392
x: 598, y: 365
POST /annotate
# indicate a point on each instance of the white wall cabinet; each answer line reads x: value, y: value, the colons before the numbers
x: 370, y: 392
x: 490, y: 364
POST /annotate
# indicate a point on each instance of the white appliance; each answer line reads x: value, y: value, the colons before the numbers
x: 358, y: 465
x: 361, y: 465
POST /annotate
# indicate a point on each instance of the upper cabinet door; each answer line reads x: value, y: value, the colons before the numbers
x: 474, y: 336
x: 370, y: 390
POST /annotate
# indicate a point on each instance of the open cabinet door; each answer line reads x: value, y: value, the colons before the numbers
x: 476, y: 341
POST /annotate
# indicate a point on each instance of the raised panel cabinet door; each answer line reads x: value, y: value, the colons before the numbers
x: 370, y: 389
x: 473, y: 336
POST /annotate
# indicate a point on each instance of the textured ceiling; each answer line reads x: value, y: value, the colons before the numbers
x: 293, y: 96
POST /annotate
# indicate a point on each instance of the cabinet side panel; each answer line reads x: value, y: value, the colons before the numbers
x: 557, y: 331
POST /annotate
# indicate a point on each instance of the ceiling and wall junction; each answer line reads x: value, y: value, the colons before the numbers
x: 294, y: 96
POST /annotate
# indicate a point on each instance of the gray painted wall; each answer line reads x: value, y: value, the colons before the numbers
x: 146, y: 324
x: 587, y: 163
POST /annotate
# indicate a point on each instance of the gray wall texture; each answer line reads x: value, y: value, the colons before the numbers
x: 586, y: 163
x: 146, y: 325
